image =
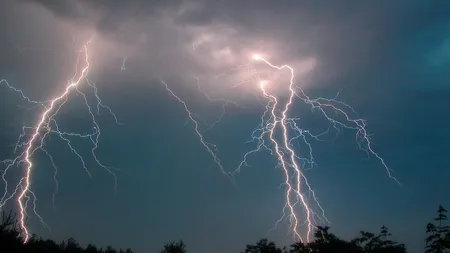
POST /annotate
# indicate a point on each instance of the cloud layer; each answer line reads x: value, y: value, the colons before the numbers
x: 206, y: 38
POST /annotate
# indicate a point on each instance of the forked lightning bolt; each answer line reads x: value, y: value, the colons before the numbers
x: 46, y: 126
x: 277, y: 118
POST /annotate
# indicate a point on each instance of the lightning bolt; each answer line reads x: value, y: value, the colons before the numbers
x: 210, y: 147
x: 46, y: 126
x: 285, y: 151
x: 279, y: 133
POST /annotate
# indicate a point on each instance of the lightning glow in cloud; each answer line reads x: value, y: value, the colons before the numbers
x: 277, y: 118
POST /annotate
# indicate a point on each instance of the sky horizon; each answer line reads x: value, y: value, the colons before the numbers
x: 388, y: 61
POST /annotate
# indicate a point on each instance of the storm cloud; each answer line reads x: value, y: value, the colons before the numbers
x: 390, y: 59
x: 213, y: 36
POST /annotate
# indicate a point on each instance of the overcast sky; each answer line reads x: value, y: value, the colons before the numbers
x: 389, y: 60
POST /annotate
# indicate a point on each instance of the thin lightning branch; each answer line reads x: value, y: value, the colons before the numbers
x: 224, y: 102
x: 46, y: 126
x: 289, y: 158
x: 211, y: 148
x: 280, y: 134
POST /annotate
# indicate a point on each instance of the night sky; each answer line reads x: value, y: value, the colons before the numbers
x: 389, y: 60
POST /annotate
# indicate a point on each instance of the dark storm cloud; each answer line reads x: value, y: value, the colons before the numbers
x: 379, y: 49
x: 106, y: 15
x: 336, y: 29
x: 403, y: 16
x: 343, y: 36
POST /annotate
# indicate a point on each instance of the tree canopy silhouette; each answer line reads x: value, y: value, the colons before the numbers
x: 174, y: 247
x: 263, y: 246
x: 372, y: 243
x: 437, y: 241
x: 438, y: 233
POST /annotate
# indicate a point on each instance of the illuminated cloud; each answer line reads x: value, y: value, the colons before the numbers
x: 209, y: 37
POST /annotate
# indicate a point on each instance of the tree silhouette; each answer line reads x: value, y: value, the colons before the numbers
x: 174, y: 247
x: 9, y: 233
x: 91, y: 249
x: 299, y: 247
x: 325, y: 241
x: 11, y: 241
x: 264, y: 246
x: 437, y: 240
x: 381, y: 243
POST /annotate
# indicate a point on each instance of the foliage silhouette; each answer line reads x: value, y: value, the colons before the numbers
x: 372, y: 243
x: 437, y: 241
x: 263, y: 246
x: 438, y: 235
x: 174, y: 247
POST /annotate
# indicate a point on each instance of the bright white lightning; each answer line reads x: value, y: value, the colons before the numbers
x: 46, y: 126
x: 276, y: 117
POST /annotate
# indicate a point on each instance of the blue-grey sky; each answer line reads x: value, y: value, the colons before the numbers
x: 389, y: 60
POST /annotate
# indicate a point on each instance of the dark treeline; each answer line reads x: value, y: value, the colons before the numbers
x: 437, y: 241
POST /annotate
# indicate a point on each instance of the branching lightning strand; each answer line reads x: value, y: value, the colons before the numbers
x: 46, y: 126
x: 276, y: 117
